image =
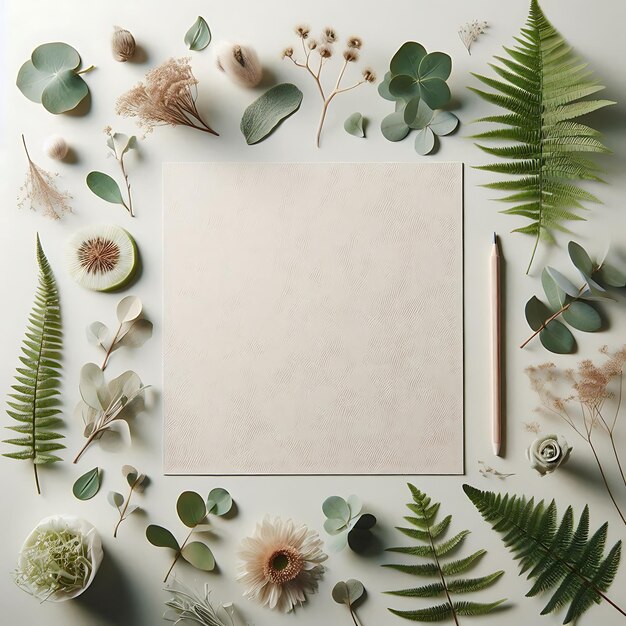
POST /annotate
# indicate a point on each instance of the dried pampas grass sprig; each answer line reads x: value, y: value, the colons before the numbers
x: 166, y: 97
x: 40, y: 192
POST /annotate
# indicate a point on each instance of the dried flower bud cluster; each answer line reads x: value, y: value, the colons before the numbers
x: 369, y: 76
x: 123, y: 44
x: 302, y: 30
x: 351, y: 55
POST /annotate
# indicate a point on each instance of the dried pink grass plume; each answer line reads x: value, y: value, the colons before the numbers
x: 166, y: 97
x: 40, y: 192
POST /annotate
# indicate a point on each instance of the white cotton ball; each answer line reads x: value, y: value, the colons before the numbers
x: 240, y: 63
x: 56, y: 147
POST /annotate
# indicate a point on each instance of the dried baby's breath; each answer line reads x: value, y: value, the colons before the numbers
x: 470, y: 32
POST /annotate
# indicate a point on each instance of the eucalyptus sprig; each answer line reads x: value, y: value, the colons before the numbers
x: 136, y: 483
x: 102, y: 184
x: 193, y: 512
x: 346, y: 524
x: 132, y: 332
x: 351, y: 592
x: 569, y: 302
x: 105, y: 406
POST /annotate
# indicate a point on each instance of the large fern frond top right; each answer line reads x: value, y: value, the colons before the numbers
x: 544, y: 87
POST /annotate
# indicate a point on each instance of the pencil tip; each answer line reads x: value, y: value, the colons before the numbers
x: 495, y: 238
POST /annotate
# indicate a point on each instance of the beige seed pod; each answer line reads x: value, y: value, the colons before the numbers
x: 122, y: 44
x: 56, y: 147
x: 240, y: 63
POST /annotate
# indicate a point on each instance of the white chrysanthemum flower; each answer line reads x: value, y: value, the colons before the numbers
x: 280, y: 563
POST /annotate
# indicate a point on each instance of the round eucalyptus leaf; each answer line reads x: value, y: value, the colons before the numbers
x: 580, y: 258
x: 333, y: 526
x: 354, y: 125
x: 190, y: 508
x: 199, y: 555
x: 92, y: 387
x: 340, y: 593
x: 435, y: 65
x: 443, y: 123
x: 335, y: 507
x: 337, y: 543
x: 564, y: 283
x: 419, y: 114
x: 611, y: 276
x: 583, y: 316
x: 219, y: 502
x: 536, y: 313
x: 404, y: 86
x: 348, y: 592
x: 366, y: 521
x: 105, y: 187
x: 355, y: 504
x: 161, y: 537
x: 407, y: 59
x: 393, y: 126
x: 556, y: 296
x: 64, y: 92
x: 115, y: 499
x: 359, y: 539
x: 55, y: 57
x: 88, y: 485
x: 383, y: 88
x: 137, y: 334
x: 557, y: 338
x: 424, y: 141
x: 97, y: 333
x: 128, y: 309
x: 435, y: 92
x: 31, y: 82
x: 198, y: 37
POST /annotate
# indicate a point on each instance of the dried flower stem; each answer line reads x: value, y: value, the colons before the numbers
x: 125, y: 508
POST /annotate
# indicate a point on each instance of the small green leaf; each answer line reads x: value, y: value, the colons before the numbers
x: 403, y: 86
x: 355, y: 504
x: 557, y: 338
x: 383, y: 88
x: 335, y: 507
x: 190, y: 508
x: 348, y: 592
x: 354, y: 125
x: 611, y: 276
x: 161, y: 537
x: 105, y: 187
x: 199, y: 555
x: 583, y: 316
x: 580, y: 258
x: 556, y: 296
x: 198, y: 37
x: 417, y: 114
x: 435, y: 65
x: 443, y: 123
x: 393, y: 127
x: 115, y: 499
x: 435, y: 92
x: 128, y: 309
x: 219, y: 502
x: 268, y: 111
x: 88, y: 485
x: 407, y: 59
x: 565, y: 284
x: 424, y: 141
x: 333, y: 526
x: 536, y: 313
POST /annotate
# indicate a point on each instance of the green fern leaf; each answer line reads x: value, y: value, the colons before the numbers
x: 434, y: 551
x: 35, y: 399
x: 545, y: 87
x: 569, y: 562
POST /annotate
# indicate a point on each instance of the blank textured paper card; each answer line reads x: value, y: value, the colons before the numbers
x: 313, y: 318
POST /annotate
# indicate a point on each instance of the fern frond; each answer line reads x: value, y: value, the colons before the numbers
x: 545, y: 87
x: 556, y: 556
x: 433, y: 552
x: 34, y: 400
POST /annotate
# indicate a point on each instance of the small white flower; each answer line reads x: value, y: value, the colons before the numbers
x: 548, y: 453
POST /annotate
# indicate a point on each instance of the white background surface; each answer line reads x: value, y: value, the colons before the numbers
x: 128, y: 589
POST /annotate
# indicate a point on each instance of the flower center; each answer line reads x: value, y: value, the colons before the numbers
x: 283, y: 565
x: 549, y: 451
x: 98, y: 255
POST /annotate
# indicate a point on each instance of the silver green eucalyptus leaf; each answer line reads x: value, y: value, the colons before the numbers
x: 199, y: 555
x: 354, y: 125
x: 583, y: 316
x: 219, y: 502
x: 443, y: 123
x: 268, y: 111
x: 116, y: 500
x: 128, y: 309
x: 88, y: 485
x: 355, y: 504
x: 348, y: 592
x: 536, y: 313
x: 92, y: 387
x: 198, y: 37
x: 557, y: 338
x: 564, y: 283
x: 50, y: 78
x: 393, y: 127
x: 556, y: 296
x: 611, y: 276
x: 137, y: 334
x: 418, y: 114
x: 383, y: 88
x: 424, y: 141
x: 580, y: 259
x: 130, y: 474
x: 105, y: 187
x: 334, y: 525
x: 97, y: 334
x: 120, y: 144
x: 335, y: 507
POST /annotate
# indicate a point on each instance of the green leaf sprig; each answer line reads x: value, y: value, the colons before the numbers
x: 569, y: 302
x: 433, y: 551
x: 87, y: 485
x: 551, y: 552
x: 136, y: 483
x: 34, y: 400
x: 106, y: 405
x: 193, y: 512
x: 51, y: 77
x: 416, y: 82
x: 355, y: 125
x: 198, y: 37
x: 132, y: 332
x: 102, y: 184
x: 543, y: 87
x: 346, y: 524
x: 350, y: 592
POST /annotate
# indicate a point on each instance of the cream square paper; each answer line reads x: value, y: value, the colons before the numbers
x: 313, y: 318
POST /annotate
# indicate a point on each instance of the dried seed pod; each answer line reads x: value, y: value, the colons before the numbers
x: 56, y: 147
x: 240, y: 63
x: 122, y: 44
